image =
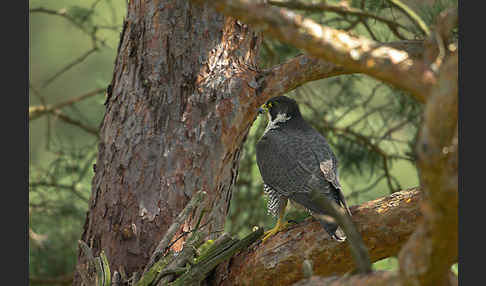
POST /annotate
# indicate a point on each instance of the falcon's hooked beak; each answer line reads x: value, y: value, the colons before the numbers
x: 261, y: 110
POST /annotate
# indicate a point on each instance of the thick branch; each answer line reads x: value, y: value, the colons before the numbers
x: 355, y: 242
x: 432, y: 249
x: 385, y: 224
x: 339, y: 9
x: 287, y: 76
x: 357, y: 54
x: 377, y: 278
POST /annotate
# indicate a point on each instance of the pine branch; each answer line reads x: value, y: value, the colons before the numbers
x: 411, y: 15
x: 287, y: 76
x: 384, y: 224
x: 356, y: 54
x: 432, y: 250
x: 342, y: 10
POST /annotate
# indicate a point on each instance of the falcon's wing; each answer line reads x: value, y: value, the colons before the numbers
x: 293, y: 170
x: 327, y: 163
x: 279, y: 167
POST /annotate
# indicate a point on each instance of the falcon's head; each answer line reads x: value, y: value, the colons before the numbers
x: 280, y: 109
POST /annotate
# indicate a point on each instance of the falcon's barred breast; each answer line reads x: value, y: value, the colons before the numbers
x: 296, y: 161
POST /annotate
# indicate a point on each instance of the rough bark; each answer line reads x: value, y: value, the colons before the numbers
x: 177, y: 113
x: 377, y: 278
x: 433, y: 247
x: 385, y: 225
x: 301, y: 69
x: 431, y: 250
x: 184, y: 94
x: 357, y: 54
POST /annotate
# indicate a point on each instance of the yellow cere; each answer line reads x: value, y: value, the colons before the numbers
x: 266, y: 106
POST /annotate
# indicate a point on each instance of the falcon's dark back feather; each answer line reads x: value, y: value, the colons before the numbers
x: 289, y: 157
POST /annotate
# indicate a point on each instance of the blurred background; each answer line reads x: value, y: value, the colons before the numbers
x: 370, y: 126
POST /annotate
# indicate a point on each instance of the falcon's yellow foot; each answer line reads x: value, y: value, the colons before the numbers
x: 278, y: 227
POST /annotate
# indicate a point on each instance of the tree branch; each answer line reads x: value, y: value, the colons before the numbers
x: 384, y: 224
x: 58, y: 113
x: 71, y: 188
x: 411, y: 15
x: 76, y: 61
x: 342, y: 10
x: 432, y: 249
x: 163, y: 244
x: 375, y: 278
x: 37, y: 111
x: 287, y: 76
x: 357, y: 54
x: 388, y: 278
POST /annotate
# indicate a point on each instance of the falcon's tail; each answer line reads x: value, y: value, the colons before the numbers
x: 334, y: 231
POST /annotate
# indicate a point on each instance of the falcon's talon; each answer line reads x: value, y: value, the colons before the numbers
x: 278, y: 227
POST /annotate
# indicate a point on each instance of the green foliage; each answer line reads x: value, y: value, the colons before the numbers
x: 429, y: 13
x: 370, y: 5
x: 61, y: 154
x: 57, y: 206
x: 80, y: 14
x: 364, y: 121
x: 354, y: 112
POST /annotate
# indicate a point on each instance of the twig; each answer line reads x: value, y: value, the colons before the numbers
x: 44, y: 106
x: 353, y: 107
x: 392, y: 130
x: 95, y: 3
x: 184, y: 233
x: 70, y: 65
x: 196, y: 199
x: 368, y: 28
x: 98, y: 268
x: 373, y: 147
x: 58, y: 113
x: 60, y: 13
x: 37, y: 238
x: 219, y: 252
x: 367, y: 114
x: 411, y: 15
x: 356, y: 193
x: 356, y: 54
x: 342, y: 10
x: 72, y: 188
x: 36, y: 111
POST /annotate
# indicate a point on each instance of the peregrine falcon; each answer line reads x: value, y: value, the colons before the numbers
x: 296, y: 163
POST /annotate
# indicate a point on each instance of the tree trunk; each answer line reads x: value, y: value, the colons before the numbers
x: 184, y: 94
x: 174, y: 124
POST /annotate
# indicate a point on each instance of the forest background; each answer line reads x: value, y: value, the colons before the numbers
x: 371, y: 126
